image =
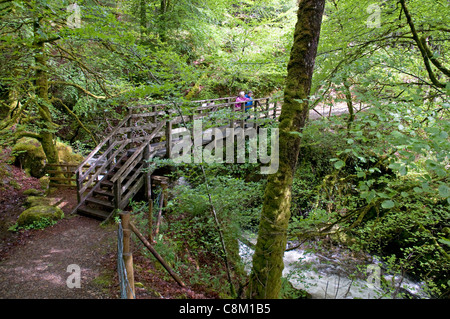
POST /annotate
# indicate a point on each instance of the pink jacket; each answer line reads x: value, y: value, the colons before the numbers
x: 240, y: 99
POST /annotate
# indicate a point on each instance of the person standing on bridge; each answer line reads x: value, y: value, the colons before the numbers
x: 249, y: 103
x: 241, y: 98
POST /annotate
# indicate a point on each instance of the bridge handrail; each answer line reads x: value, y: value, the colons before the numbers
x: 136, y: 153
x: 231, y: 100
x: 99, y: 146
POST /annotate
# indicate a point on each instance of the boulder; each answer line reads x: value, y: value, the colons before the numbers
x: 32, y: 201
x: 29, y: 155
x: 39, y: 213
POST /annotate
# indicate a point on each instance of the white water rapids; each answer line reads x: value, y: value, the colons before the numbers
x: 328, y: 278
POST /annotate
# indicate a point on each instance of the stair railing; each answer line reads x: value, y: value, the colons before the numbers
x: 110, y: 142
x: 130, y: 171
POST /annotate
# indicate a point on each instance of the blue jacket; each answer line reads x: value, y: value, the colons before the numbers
x: 248, y: 104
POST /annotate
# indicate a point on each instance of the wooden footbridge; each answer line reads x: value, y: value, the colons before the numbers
x: 120, y: 164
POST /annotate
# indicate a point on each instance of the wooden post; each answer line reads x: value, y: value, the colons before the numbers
x: 77, y: 177
x: 129, y: 133
x: 150, y: 220
x: 154, y: 116
x: 243, y: 115
x: 275, y: 109
x: 148, y: 189
x: 155, y: 253
x: 158, y: 220
x: 232, y: 107
x: 117, y: 194
x: 164, y: 186
x: 267, y: 108
x: 191, y: 120
x: 168, y: 139
x: 256, y: 116
x: 127, y: 255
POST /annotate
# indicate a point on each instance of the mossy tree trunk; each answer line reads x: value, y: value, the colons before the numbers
x: 46, y: 134
x: 163, y: 9
x: 143, y: 19
x: 265, y: 278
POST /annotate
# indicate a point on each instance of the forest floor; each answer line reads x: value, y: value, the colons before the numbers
x: 34, y: 263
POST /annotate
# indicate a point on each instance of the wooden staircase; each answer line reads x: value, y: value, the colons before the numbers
x: 117, y: 175
x: 119, y: 166
x: 100, y: 203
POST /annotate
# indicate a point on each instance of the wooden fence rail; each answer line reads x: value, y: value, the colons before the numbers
x: 66, y: 170
x: 128, y: 227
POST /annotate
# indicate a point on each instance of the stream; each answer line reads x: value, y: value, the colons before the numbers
x: 339, y: 275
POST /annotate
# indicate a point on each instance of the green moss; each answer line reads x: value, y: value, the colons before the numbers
x: 67, y: 155
x: 32, y: 201
x: 29, y: 155
x: 38, y: 214
x: 44, y: 181
x: 14, y: 184
x: 288, y: 291
x: 32, y: 192
x: 103, y: 281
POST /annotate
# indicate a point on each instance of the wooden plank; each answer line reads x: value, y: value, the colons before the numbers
x: 101, y: 202
x: 64, y: 165
x: 132, y: 179
x: 103, y: 192
x: 136, y: 153
x: 131, y: 192
x: 136, y: 107
x: 148, y: 114
x: 136, y: 128
x: 84, y: 174
x: 168, y: 139
x: 102, y: 168
x: 99, y: 146
x: 62, y: 179
x: 92, y: 212
x: 131, y: 166
x: 63, y: 185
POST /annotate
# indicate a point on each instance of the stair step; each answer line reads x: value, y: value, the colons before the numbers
x: 103, y: 192
x: 101, y: 202
x: 93, y: 212
x: 106, y: 183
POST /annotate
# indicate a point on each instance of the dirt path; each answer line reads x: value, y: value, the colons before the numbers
x: 35, y: 262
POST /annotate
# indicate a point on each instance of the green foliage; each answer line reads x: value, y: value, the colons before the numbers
x: 385, y: 187
x: 42, y: 223
x: 192, y: 204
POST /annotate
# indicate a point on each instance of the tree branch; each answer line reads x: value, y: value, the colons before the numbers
x: 422, y: 50
x: 434, y: 60
x: 76, y: 118
x: 85, y: 91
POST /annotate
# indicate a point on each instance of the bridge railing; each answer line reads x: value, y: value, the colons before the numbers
x: 156, y: 124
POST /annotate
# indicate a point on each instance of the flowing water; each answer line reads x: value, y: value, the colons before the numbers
x: 339, y: 275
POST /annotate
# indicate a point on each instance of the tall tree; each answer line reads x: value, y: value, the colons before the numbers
x: 265, y: 279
